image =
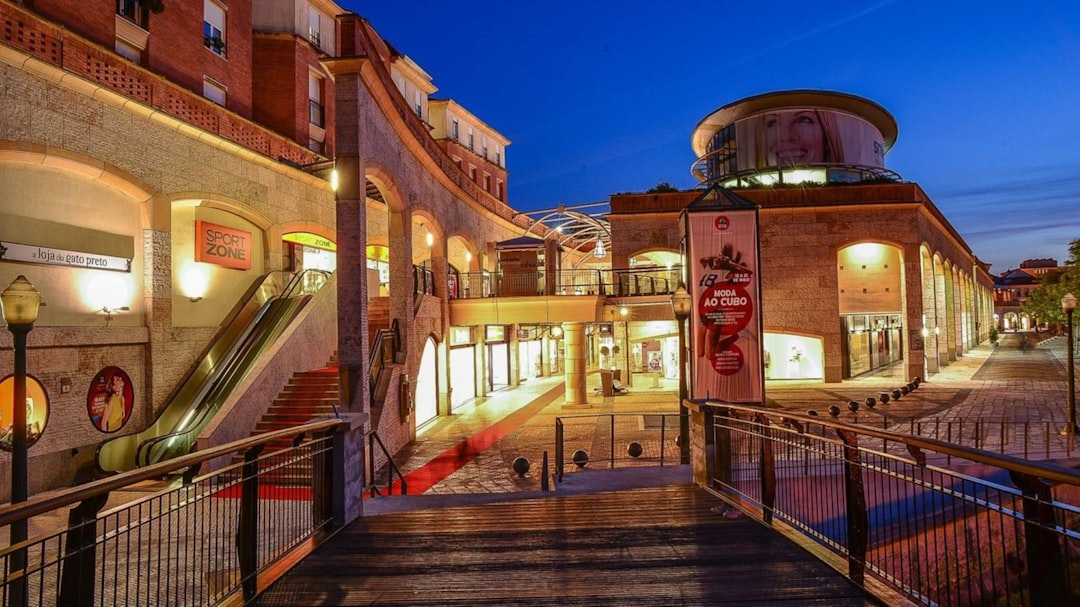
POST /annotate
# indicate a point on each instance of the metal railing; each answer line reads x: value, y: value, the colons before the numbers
x: 200, y: 542
x: 391, y: 468
x: 423, y: 280
x: 384, y: 350
x: 614, y: 282
x: 627, y: 439
x: 1028, y: 439
x: 997, y: 530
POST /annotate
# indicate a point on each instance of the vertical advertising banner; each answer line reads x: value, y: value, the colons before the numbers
x: 725, y: 318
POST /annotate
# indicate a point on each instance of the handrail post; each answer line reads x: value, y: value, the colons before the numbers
x: 767, y: 470
x: 247, y: 533
x: 559, y: 448
x: 855, y: 500
x: 78, y: 570
x: 1046, y: 581
x: 612, y: 449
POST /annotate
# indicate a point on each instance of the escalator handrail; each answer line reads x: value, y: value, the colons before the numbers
x: 252, y: 344
x: 295, y: 282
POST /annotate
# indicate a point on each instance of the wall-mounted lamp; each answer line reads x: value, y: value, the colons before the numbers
x: 556, y: 331
x: 195, y: 299
x: 468, y: 257
x: 925, y: 332
x: 623, y: 311
x: 110, y: 311
x: 937, y: 330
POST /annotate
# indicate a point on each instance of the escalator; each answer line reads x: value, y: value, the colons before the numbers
x: 266, y: 311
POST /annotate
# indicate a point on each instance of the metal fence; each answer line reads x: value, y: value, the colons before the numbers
x: 989, y: 530
x: 613, y: 440
x: 614, y: 282
x: 203, y: 540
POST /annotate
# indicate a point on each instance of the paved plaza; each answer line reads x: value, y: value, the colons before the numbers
x: 1024, y: 386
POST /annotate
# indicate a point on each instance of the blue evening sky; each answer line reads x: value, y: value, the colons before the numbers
x: 601, y: 96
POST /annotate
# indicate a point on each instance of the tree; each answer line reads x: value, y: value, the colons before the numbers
x: 662, y: 187
x: 1044, y: 303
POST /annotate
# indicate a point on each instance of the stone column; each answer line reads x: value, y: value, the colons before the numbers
x: 574, y: 362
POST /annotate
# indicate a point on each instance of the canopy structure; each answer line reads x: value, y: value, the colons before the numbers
x: 575, y: 228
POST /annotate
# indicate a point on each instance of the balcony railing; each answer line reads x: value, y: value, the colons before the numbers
x: 206, y: 540
x: 985, y: 529
x: 616, y: 283
x: 423, y: 280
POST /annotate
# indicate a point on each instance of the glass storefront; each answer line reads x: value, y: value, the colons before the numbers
x: 871, y: 341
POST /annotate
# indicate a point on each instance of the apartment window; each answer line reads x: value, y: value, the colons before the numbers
x: 316, y: 113
x: 454, y: 129
x: 498, y: 157
x: 483, y: 145
x: 487, y: 183
x: 472, y: 142
x: 472, y: 173
x: 499, y: 190
x: 314, y: 26
x: 316, y: 146
x: 214, y: 27
x: 135, y: 11
x: 417, y: 105
x: 214, y: 91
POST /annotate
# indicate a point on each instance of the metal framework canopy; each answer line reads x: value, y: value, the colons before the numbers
x: 575, y: 228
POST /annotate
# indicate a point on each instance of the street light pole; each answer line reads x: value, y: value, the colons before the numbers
x: 19, y: 303
x: 680, y: 305
x: 1068, y: 303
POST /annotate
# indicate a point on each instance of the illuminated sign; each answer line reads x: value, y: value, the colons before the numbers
x: 310, y: 240
x: 807, y: 136
x: 13, y: 251
x: 37, y: 411
x: 725, y: 319
x: 223, y: 246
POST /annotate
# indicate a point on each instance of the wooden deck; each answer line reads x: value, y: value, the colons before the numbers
x: 654, y: 546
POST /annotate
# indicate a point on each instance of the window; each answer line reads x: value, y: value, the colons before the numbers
x: 483, y: 146
x: 472, y: 143
x: 214, y: 27
x: 316, y: 114
x: 487, y: 182
x: 134, y: 11
x: 472, y: 173
x: 454, y: 129
x: 416, y: 103
x: 314, y: 26
x: 499, y: 190
x: 214, y: 91
x: 498, y: 157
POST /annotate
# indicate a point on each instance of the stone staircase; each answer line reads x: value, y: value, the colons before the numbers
x: 308, y: 395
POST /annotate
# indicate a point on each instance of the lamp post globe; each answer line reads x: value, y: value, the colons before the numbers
x: 1068, y: 304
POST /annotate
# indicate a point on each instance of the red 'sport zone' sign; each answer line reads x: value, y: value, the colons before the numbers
x: 222, y: 246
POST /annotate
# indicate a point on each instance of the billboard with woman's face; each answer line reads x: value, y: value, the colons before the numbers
x: 793, y: 137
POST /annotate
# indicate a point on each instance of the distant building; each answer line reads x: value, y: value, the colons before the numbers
x: 1012, y: 287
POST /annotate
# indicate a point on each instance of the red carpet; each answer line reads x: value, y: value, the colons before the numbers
x: 456, y: 457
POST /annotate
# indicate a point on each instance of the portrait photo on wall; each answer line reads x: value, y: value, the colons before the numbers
x: 109, y: 399
x: 37, y: 411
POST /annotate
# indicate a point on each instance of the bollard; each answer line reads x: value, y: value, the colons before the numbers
x: 521, y: 466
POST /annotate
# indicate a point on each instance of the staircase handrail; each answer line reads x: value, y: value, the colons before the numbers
x: 391, y: 468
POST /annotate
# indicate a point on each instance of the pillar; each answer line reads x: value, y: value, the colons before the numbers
x: 574, y: 362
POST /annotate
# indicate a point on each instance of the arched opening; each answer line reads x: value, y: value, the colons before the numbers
x: 427, y: 384
x: 870, y: 281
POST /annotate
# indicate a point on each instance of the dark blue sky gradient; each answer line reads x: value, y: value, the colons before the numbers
x: 599, y: 97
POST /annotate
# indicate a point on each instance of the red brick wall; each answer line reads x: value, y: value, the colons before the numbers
x: 281, y: 63
x: 94, y: 20
x: 176, y: 50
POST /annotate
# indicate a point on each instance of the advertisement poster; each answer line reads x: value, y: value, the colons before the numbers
x: 807, y: 137
x: 37, y: 411
x: 110, y: 398
x: 722, y: 254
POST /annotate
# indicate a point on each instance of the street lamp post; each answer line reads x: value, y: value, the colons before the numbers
x: 680, y: 305
x: 1068, y: 303
x: 19, y: 303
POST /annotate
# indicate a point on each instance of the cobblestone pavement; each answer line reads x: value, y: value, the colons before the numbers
x: 968, y: 398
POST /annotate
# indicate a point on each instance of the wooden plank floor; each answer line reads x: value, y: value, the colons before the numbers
x: 654, y: 546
